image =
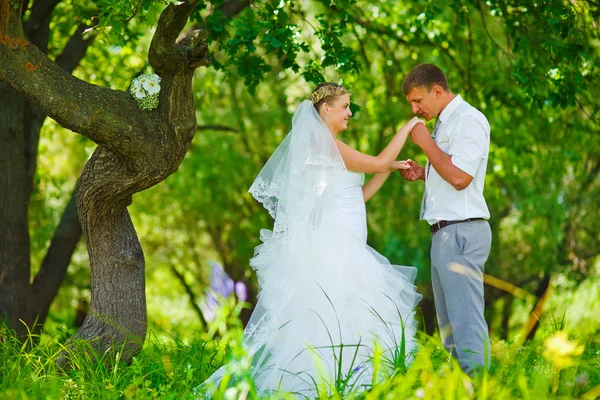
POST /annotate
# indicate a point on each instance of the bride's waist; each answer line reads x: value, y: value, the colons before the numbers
x: 351, y: 221
x: 342, y: 207
x: 347, y: 214
x: 349, y: 201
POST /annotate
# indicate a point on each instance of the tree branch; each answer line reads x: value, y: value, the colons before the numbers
x: 190, y: 293
x: 533, y: 322
x: 590, y: 254
x: 55, y: 263
x: 588, y: 115
x: 10, y: 19
x: 194, y: 50
x: 75, y: 49
x: 229, y: 10
x: 361, y: 46
x: 40, y: 11
x: 68, y: 60
x: 470, y: 50
x: 380, y: 30
x: 105, y: 116
x: 162, y: 54
x: 479, y: 7
x: 232, y: 8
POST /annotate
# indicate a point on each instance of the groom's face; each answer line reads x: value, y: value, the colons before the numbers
x: 424, y: 102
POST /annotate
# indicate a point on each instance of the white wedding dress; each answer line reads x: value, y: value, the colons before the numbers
x: 325, y: 296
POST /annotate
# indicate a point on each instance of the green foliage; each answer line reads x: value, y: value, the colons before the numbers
x: 273, y: 34
x: 528, y: 67
x: 112, y: 17
x: 172, y: 369
x: 557, y: 53
x: 162, y: 370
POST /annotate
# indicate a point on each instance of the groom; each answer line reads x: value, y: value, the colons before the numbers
x: 455, y: 208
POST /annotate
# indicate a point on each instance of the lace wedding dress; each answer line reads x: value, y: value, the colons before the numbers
x: 325, y: 296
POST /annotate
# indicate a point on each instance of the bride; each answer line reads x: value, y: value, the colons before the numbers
x: 325, y: 296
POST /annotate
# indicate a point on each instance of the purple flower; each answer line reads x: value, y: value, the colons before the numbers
x: 211, y: 300
x: 207, y: 312
x: 240, y: 291
x: 221, y: 286
x: 220, y: 282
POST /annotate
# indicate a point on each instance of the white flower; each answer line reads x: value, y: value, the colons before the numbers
x: 145, y: 90
x: 420, y: 393
x: 137, y: 90
x: 152, y: 87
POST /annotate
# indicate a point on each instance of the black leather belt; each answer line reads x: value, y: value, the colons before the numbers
x: 439, y: 225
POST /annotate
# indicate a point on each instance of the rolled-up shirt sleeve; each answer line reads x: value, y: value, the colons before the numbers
x: 469, y: 144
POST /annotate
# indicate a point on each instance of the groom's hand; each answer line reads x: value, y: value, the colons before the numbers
x: 414, y: 172
x: 420, y: 135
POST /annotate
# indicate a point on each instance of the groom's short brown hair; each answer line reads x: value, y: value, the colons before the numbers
x: 424, y: 75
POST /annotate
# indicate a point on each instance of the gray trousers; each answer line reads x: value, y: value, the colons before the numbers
x: 458, y: 255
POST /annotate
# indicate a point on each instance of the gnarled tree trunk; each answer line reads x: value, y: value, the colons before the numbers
x: 24, y: 305
x: 136, y: 150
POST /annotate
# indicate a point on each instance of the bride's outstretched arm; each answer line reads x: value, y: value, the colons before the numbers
x: 376, y: 182
x: 360, y: 162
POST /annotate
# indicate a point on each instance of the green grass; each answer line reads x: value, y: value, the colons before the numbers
x: 170, y: 369
x: 162, y: 370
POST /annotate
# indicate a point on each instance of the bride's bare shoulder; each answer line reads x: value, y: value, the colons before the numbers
x: 342, y: 144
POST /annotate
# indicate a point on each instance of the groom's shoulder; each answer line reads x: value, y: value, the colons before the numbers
x: 467, y: 111
x: 470, y: 116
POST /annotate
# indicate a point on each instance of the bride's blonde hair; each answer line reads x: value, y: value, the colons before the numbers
x: 326, y: 93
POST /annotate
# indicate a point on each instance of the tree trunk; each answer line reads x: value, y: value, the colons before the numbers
x: 136, y: 150
x: 117, y: 314
x: 541, y: 293
x: 14, y: 232
x: 20, y: 125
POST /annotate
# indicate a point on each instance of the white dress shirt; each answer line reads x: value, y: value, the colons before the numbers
x: 463, y: 132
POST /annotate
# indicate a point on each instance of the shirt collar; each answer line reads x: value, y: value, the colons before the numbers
x: 450, y: 108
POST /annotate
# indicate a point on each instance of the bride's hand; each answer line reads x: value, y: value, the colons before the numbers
x: 413, y: 122
x: 398, y: 165
x: 408, y: 127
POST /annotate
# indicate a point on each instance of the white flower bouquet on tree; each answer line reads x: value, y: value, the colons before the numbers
x: 145, y: 90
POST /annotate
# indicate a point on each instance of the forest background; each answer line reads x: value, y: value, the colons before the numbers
x: 531, y: 67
